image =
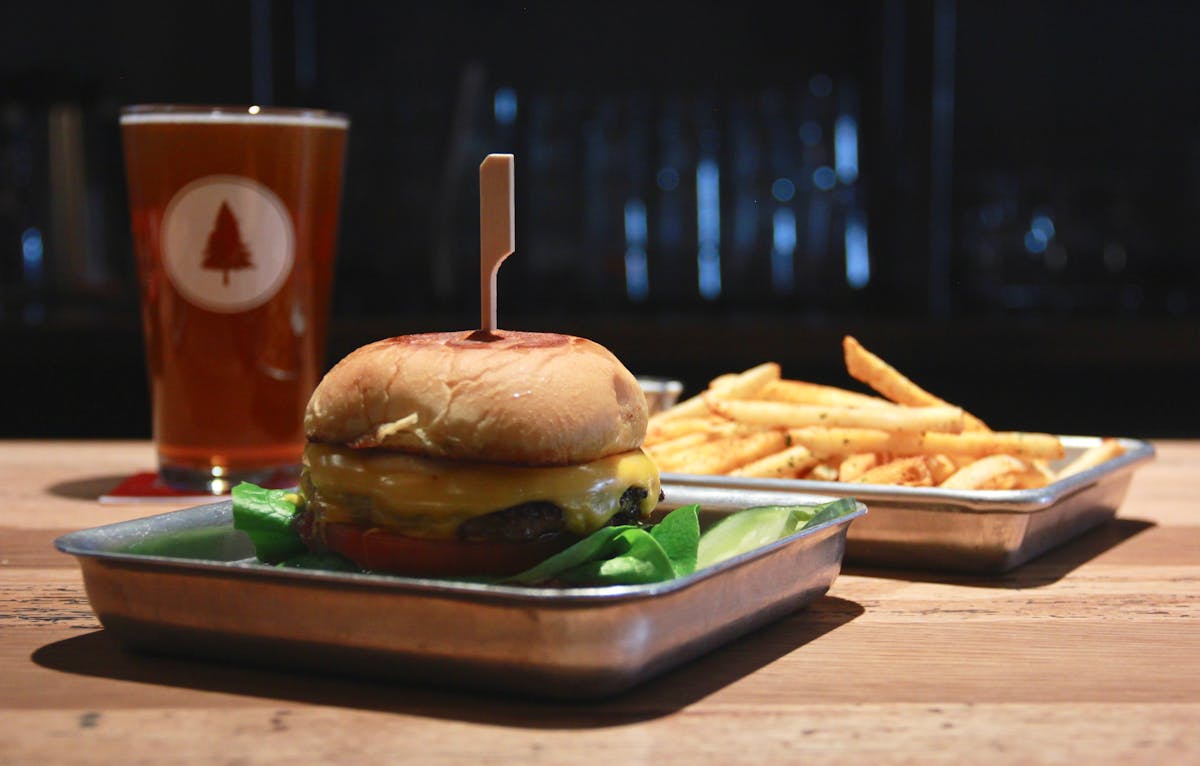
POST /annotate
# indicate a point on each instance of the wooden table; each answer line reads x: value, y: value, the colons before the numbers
x: 1090, y: 654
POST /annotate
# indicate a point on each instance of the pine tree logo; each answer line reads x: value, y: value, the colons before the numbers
x: 225, y: 250
x: 224, y: 223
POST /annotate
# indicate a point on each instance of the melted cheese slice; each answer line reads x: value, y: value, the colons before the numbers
x: 431, y: 498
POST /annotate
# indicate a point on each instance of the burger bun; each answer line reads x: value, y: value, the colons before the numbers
x: 509, y: 397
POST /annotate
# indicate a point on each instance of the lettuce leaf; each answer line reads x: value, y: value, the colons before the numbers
x: 266, y: 516
x: 679, y: 536
x: 329, y: 562
x: 624, y: 555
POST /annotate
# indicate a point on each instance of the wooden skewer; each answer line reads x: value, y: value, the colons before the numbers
x: 497, y: 231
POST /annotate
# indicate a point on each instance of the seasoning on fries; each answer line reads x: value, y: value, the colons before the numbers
x: 759, y: 424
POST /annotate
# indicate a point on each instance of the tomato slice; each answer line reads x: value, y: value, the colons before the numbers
x: 378, y: 550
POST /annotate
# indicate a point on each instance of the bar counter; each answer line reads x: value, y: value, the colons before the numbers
x: 1089, y: 654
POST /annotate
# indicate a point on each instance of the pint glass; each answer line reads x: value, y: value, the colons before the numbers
x: 234, y: 215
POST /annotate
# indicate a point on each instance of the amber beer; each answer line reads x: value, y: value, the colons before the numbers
x: 234, y: 214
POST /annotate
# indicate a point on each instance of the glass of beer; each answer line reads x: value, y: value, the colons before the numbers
x: 234, y: 215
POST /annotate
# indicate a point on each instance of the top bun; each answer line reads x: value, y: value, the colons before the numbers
x: 511, y: 397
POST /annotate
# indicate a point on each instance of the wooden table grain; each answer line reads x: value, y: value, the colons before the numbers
x: 1090, y: 654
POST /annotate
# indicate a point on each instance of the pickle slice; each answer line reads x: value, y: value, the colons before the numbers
x: 749, y: 529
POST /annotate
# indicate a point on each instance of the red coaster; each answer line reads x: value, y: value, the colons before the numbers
x: 146, y: 488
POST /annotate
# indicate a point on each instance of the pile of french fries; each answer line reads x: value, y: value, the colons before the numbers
x: 758, y: 424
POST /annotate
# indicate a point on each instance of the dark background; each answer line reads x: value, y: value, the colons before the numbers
x: 1000, y: 198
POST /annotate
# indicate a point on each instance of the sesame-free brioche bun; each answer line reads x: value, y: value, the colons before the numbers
x: 512, y: 397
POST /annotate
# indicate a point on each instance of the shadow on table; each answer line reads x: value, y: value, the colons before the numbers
x: 1046, y: 569
x: 90, y: 488
x: 99, y: 654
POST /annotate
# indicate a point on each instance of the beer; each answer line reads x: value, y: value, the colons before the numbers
x: 234, y: 216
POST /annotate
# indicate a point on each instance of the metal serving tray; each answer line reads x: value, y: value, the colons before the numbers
x: 187, y: 583
x: 966, y: 531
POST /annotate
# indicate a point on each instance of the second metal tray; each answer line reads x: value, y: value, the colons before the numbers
x: 186, y: 583
x: 960, y: 530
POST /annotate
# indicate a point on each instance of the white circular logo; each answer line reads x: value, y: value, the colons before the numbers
x: 227, y: 243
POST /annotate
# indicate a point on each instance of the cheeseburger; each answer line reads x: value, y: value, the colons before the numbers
x: 472, y: 454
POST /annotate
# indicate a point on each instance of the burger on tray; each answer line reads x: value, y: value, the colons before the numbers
x: 471, y: 453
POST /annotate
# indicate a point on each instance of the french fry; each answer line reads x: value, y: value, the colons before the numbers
x: 823, y: 472
x: 905, y: 472
x: 991, y: 472
x: 730, y: 385
x: 856, y: 465
x: 1031, y: 479
x: 662, y: 450
x: 724, y: 455
x: 688, y: 408
x: 800, y: 392
x: 908, y: 419
x: 785, y: 464
x: 1043, y: 469
x: 1028, y: 446
x: 1092, y: 457
x: 887, y: 380
x: 845, y: 441
x: 747, y: 384
x: 719, y: 428
x: 941, y: 467
x: 670, y: 429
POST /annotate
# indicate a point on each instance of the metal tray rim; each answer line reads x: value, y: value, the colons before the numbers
x: 69, y: 544
x: 1137, y: 451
